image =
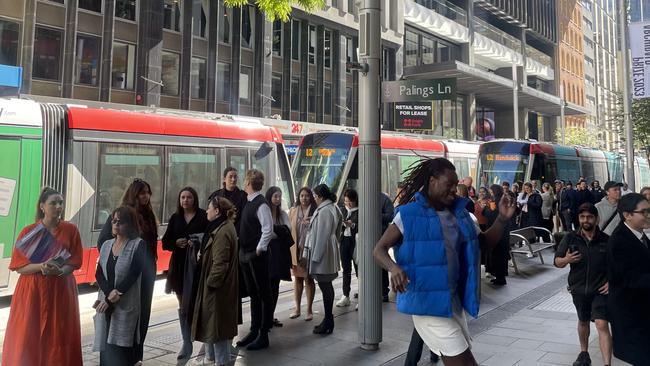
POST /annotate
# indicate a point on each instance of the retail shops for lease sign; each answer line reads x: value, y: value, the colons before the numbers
x: 414, y: 100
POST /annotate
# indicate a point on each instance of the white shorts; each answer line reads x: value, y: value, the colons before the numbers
x: 444, y: 336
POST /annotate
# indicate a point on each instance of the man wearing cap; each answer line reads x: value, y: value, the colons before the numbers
x: 607, y: 213
x: 585, y: 250
x: 567, y: 203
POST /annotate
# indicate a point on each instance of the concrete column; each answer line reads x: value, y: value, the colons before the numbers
x: 27, y: 51
x: 149, y: 52
x: 339, y: 77
x: 105, y: 72
x: 213, y: 52
x: 320, y: 66
x: 235, y: 60
x: 286, y: 68
x: 186, y: 51
x: 262, y: 72
x: 470, y: 116
x: 524, y: 54
x: 69, y: 48
x: 468, y: 49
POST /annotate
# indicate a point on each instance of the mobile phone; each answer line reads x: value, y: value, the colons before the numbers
x: 574, y: 248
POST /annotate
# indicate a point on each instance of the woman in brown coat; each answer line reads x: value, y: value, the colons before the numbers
x: 215, y: 312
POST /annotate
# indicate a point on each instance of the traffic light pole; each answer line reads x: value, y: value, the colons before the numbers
x: 629, y: 130
x: 369, y: 173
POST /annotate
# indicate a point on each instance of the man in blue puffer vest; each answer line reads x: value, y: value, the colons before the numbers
x: 436, y: 242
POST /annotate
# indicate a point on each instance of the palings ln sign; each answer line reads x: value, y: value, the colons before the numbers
x: 418, y: 90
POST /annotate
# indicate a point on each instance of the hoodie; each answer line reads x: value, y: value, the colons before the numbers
x: 605, y: 211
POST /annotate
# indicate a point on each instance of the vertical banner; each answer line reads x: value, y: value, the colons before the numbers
x: 640, y: 50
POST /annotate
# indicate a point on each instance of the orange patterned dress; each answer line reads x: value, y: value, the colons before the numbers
x: 44, y: 325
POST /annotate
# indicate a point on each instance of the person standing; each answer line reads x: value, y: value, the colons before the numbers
x: 530, y: 202
x: 567, y: 202
x: 608, y: 215
x: 256, y: 232
x: 582, y: 196
x: 496, y: 261
x: 597, y: 192
x: 321, y: 250
x: 43, y: 326
x: 548, y: 206
x: 628, y: 275
x: 387, y: 212
x: 279, y: 247
x: 119, y: 276
x: 188, y: 220
x: 481, y: 203
x: 471, y: 191
x: 449, y: 252
x: 348, y: 243
x: 300, y: 216
x: 585, y: 251
x: 215, y: 312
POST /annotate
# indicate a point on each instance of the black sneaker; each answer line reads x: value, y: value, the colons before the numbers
x: 583, y: 359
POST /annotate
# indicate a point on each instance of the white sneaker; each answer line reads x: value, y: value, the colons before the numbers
x: 345, y: 301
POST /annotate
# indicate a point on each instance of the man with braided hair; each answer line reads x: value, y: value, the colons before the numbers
x: 436, y: 276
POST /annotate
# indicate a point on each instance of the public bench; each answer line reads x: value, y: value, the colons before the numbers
x: 530, y: 241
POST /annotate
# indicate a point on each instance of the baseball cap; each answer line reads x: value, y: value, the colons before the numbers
x: 612, y: 184
x: 588, y: 207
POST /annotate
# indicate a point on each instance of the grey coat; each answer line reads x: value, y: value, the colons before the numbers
x: 125, y: 318
x: 548, y: 201
x: 605, y: 211
x: 322, y: 240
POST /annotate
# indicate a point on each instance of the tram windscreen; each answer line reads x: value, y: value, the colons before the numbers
x: 503, y: 161
x: 321, y: 159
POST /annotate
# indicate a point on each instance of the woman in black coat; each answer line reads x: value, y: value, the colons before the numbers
x: 629, y: 281
x: 497, y: 259
x: 279, y: 248
x: 184, y: 225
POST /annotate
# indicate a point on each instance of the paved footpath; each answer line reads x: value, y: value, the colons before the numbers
x: 531, y: 321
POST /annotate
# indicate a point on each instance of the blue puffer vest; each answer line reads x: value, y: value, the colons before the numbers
x: 423, y: 257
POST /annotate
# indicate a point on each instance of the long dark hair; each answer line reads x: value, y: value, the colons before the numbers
x: 179, y: 209
x: 129, y: 220
x: 275, y: 210
x: 418, y: 175
x: 46, y: 193
x: 498, y: 193
x: 312, y: 202
x: 324, y: 191
x: 146, y: 217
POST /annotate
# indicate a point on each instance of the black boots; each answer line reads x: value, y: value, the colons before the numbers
x: 261, y: 342
x: 250, y: 338
x: 186, y: 349
x: 325, y: 327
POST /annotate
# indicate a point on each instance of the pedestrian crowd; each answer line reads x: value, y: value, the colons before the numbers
x: 244, y: 243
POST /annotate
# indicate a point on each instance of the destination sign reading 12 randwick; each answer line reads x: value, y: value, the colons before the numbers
x: 418, y: 90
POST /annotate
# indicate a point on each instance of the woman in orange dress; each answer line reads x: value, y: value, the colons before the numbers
x: 43, y: 326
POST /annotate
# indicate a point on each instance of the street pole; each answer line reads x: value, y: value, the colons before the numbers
x: 562, y: 122
x: 369, y: 173
x: 515, y: 98
x: 629, y: 132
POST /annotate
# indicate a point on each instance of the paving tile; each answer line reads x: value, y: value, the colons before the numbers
x: 501, y: 360
x: 495, y: 340
x: 526, y: 344
x: 559, y: 358
x: 554, y: 347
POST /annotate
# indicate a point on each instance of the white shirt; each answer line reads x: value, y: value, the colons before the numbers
x: 638, y: 234
x: 266, y: 221
x: 348, y: 229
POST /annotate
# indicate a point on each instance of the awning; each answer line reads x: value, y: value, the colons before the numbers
x: 494, y: 90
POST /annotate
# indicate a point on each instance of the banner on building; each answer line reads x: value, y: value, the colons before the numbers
x: 414, y: 116
x: 640, y: 50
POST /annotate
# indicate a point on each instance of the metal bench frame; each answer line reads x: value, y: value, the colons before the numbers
x: 528, y: 236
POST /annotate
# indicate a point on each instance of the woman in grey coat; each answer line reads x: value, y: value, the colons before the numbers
x: 548, y: 202
x: 321, y: 250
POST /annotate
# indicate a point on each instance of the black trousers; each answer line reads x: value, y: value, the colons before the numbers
x: 256, y: 277
x: 347, y: 253
x: 328, y: 298
x: 147, y: 283
x: 385, y: 283
x: 275, y: 293
x: 565, y: 218
x: 415, y: 350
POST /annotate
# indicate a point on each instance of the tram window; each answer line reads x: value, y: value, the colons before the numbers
x: 393, y: 176
x: 191, y: 167
x: 238, y: 159
x: 567, y: 169
x: 261, y: 161
x: 538, y: 172
x: 119, y: 165
x: 405, y: 163
x: 587, y: 169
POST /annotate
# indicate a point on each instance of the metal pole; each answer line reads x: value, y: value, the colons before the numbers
x: 369, y: 173
x: 562, y: 122
x: 515, y: 98
x: 629, y: 131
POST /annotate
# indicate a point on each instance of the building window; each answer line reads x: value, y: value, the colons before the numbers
x: 87, y: 60
x: 170, y: 69
x: 277, y: 38
x: 410, y: 49
x: 200, y: 21
x: 295, y: 39
x: 327, y: 98
x: 328, y: 49
x: 312, y: 44
x: 223, y: 82
x: 47, y: 54
x: 123, y: 66
x: 276, y: 91
x: 245, y: 82
x: 335, y: 4
x: 247, y: 26
x: 348, y: 102
x: 428, y: 50
x: 295, y: 93
x: 92, y: 5
x: 125, y: 9
x: 172, y: 15
x: 223, y: 24
x: 9, y: 32
x: 443, y: 53
x: 311, y: 96
x: 197, y: 78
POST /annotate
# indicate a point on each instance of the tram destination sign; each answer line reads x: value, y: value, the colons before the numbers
x: 418, y: 90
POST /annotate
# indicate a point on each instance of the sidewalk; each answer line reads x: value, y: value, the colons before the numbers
x: 531, y: 321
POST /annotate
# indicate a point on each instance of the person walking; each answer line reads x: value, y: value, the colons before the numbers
x: 119, y: 276
x: 449, y: 258
x: 348, y: 243
x: 279, y: 247
x: 585, y: 251
x: 608, y: 215
x: 43, y: 326
x: 548, y: 204
x: 256, y: 233
x: 138, y: 197
x: 300, y: 217
x: 321, y: 251
x: 628, y: 275
x: 568, y: 200
x: 214, y: 320
x: 188, y: 220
